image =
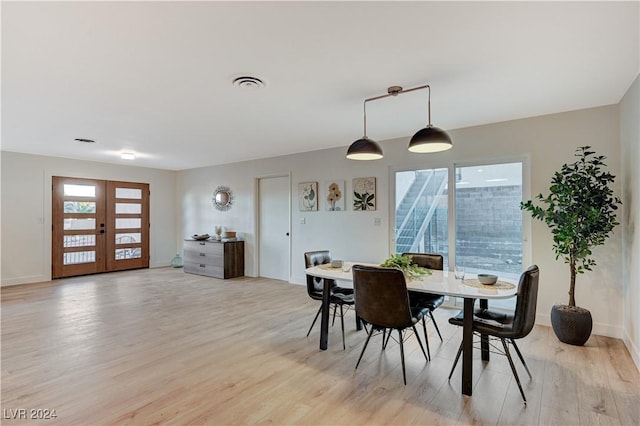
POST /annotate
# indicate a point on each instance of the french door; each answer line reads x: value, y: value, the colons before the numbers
x: 98, y: 226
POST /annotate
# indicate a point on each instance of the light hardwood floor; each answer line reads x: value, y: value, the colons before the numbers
x: 163, y: 347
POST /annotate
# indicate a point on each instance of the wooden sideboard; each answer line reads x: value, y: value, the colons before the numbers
x: 214, y: 258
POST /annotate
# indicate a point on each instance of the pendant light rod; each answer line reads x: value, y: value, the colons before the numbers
x: 395, y: 91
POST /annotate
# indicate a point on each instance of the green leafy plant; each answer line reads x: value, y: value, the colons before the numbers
x: 404, y: 264
x: 309, y: 197
x: 580, y: 210
x: 363, y: 201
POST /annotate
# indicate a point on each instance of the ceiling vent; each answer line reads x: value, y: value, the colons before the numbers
x: 247, y: 82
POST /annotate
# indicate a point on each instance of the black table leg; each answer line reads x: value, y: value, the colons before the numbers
x: 467, y: 347
x: 484, y: 339
x: 324, y: 318
x: 358, y: 323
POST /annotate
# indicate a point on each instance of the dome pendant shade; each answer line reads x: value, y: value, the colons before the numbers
x: 430, y: 139
x: 364, y: 149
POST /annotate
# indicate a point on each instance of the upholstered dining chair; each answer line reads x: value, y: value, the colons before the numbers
x: 508, y: 326
x: 383, y: 302
x: 428, y: 301
x: 339, y: 296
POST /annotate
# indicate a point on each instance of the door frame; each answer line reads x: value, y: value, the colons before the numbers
x: 107, y: 215
x: 256, y: 223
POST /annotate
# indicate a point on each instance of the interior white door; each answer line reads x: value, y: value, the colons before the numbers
x: 274, y: 207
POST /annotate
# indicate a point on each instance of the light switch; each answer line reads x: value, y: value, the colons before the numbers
x: 303, y: 221
x: 377, y: 221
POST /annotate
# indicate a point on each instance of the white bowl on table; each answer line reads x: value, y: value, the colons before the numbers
x: 487, y: 279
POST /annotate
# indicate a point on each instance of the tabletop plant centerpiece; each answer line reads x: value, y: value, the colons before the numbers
x: 580, y: 211
x: 403, y: 263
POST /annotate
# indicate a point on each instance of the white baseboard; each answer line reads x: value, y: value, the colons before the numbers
x: 598, y: 328
x: 633, y: 349
x: 24, y: 280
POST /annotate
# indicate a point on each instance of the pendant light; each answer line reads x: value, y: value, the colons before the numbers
x: 427, y: 140
x: 364, y: 148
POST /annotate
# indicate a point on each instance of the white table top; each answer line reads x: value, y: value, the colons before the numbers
x: 439, y: 282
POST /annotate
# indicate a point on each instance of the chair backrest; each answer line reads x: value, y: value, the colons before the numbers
x: 381, y: 296
x: 524, y: 316
x: 315, y: 258
x: 427, y: 260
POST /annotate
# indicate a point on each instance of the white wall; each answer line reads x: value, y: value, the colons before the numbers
x: 548, y: 141
x: 630, y: 151
x: 26, y: 211
x: 181, y: 204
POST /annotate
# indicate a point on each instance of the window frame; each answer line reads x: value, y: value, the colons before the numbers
x: 451, y: 167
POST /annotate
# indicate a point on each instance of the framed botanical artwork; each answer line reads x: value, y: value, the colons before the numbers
x: 364, y: 193
x: 308, y: 196
x: 335, y: 195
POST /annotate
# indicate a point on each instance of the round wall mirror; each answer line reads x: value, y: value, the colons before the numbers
x: 222, y: 198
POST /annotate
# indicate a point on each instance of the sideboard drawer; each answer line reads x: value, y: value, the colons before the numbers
x: 199, y: 247
x: 214, y: 258
x: 203, y: 256
x: 210, y: 270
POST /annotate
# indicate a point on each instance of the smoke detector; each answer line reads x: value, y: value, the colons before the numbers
x: 248, y: 82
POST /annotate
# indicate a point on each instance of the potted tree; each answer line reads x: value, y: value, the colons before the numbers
x: 580, y: 211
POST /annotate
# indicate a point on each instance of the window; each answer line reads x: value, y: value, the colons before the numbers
x: 488, y: 220
x: 482, y: 211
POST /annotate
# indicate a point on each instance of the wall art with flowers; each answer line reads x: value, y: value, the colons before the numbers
x: 364, y: 193
x: 308, y: 196
x: 335, y: 195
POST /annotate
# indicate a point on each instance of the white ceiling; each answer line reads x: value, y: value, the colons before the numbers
x: 155, y: 77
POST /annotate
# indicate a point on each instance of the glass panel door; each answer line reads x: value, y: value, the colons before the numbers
x: 98, y: 226
x: 488, y: 221
x: 422, y: 212
x: 482, y: 211
x: 78, y: 227
x: 127, y: 225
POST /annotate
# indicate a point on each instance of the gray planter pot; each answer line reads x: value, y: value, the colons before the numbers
x: 571, y: 324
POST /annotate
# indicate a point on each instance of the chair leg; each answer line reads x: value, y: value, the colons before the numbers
x: 342, y: 325
x: 384, y: 338
x: 365, y: 346
x: 420, y: 342
x: 334, y: 315
x: 426, y: 338
x: 314, y: 320
x: 513, y: 342
x: 387, y: 340
x: 435, y: 324
x: 513, y: 368
x: 404, y: 374
x: 453, y: 367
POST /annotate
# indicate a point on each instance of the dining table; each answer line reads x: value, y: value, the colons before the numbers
x: 437, y: 282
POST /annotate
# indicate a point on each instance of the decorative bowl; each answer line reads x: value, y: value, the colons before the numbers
x: 487, y: 279
x: 201, y: 237
x: 336, y: 263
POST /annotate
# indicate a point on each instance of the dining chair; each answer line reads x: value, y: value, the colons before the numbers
x: 428, y: 301
x: 339, y: 296
x: 508, y: 326
x: 383, y: 302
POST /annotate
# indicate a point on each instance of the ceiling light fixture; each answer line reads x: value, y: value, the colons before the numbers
x: 427, y: 140
x: 128, y: 156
